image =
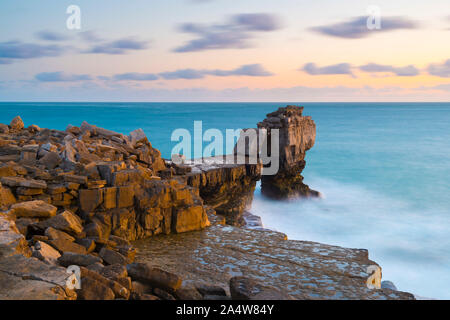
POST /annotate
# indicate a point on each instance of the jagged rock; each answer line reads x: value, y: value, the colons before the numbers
x: 4, y: 128
x: 11, y: 241
x: 97, y: 267
x: 23, y: 223
x: 115, y: 272
x: 66, y: 221
x: 51, y: 160
x: 137, y: 136
x: 63, y: 245
x: 16, y: 124
x: 7, y: 198
x: 243, y: 288
x: 45, y: 253
x: 70, y: 258
x: 118, y: 290
x: 24, y: 278
x: 297, y: 134
x: 53, y: 234
x: 22, y: 182
x: 154, y: 277
x: 89, y: 244
x: 29, y: 191
x: 36, y: 209
x: 112, y: 257
x: 92, y: 289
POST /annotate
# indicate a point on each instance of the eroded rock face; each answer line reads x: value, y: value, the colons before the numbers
x: 227, y: 187
x: 297, y: 134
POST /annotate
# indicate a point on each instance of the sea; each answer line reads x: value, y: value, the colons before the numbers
x: 383, y: 170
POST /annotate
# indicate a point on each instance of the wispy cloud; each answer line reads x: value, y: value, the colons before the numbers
x: 186, y: 74
x: 121, y: 46
x: 235, y: 34
x: 250, y: 70
x: 341, y: 68
x: 12, y: 50
x: 51, y: 36
x: 90, y: 36
x: 356, y: 28
x: 440, y: 69
x: 134, y: 76
x: 407, y: 71
x: 61, y: 77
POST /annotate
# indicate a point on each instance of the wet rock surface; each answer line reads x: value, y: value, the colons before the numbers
x: 299, y: 269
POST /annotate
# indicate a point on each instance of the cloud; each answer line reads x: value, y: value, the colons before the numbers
x: 136, y: 76
x: 61, y: 77
x: 183, y: 74
x: 51, y: 36
x: 251, y: 70
x: 89, y: 36
x: 19, y: 50
x: 440, y: 69
x: 407, y: 71
x: 121, y: 46
x: 341, y: 68
x: 232, y: 35
x: 356, y: 28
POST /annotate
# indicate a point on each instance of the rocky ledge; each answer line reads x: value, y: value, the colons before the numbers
x: 301, y: 269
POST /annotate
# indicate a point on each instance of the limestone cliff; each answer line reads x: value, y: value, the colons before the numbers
x: 297, y: 134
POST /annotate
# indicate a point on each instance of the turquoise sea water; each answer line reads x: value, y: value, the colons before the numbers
x: 383, y: 168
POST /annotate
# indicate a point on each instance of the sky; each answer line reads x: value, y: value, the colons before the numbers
x: 225, y: 50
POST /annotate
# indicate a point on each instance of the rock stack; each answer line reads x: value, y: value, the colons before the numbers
x: 297, y: 134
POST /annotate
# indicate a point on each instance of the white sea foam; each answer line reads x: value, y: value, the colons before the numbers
x: 411, y: 245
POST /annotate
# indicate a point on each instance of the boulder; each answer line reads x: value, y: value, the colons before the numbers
x: 118, y: 290
x: 54, y: 234
x: 11, y: 241
x: 154, y: 277
x: 45, y: 253
x: 33, y: 209
x: 92, y: 289
x: 67, y: 222
x: 16, y: 124
x: 70, y: 258
x: 188, y: 293
x: 112, y: 257
x: 63, y: 245
x: 51, y: 160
